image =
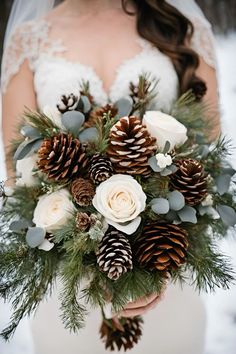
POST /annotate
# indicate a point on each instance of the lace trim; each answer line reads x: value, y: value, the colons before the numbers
x: 26, y: 43
x: 203, y: 41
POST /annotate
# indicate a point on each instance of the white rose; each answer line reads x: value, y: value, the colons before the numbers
x: 163, y: 160
x: 120, y: 199
x: 165, y: 128
x: 25, y: 168
x: 54, y: 115
x: 53, y: 210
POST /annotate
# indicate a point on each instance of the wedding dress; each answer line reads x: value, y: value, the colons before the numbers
x: 177, y: 325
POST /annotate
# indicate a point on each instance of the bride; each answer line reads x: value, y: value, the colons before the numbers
x: 49, y: 52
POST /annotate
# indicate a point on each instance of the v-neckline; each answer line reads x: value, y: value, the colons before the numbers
x: 144, y: 47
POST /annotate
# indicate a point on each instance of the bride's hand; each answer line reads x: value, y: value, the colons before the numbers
x: 142, y: 305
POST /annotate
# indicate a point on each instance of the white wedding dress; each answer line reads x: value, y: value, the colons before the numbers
x: 177, y: 325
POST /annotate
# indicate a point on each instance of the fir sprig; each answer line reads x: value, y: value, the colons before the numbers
x: 32, y: 278
x: 41, y: 122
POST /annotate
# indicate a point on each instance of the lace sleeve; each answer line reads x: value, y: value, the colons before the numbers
x: 26, y: 43
x: 203, y: 41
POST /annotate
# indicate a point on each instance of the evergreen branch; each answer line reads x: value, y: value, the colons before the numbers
x: 33, y: 279
x: 104, y: 126
x: 41, y: 122
x: 72, y: 312
x: 209, y: 269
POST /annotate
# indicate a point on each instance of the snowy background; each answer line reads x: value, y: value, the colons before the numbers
x: 220, y: 307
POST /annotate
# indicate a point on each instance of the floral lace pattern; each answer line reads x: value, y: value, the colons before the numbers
x: 27, y: 43
x: 54, y: 75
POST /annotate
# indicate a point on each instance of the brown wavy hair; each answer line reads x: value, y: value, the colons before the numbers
x: 170, y: 31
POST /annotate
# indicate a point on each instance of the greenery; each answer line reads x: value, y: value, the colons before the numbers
x: 28, y: 275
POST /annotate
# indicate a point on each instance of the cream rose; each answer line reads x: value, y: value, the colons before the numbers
x: 53, y: 210
x: 25, y: 168
x: 120, y: 199
x: 165, y: 128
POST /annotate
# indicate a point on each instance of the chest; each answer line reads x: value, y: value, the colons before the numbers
x: 108, y: 65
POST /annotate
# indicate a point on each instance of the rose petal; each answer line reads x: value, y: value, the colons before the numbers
x: 129, y: 228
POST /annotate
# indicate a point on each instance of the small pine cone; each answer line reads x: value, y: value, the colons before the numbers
x: 99, y: 113
x: 82, y: 191
x: 100, y: 168
x: 68, y: 103
x: 83, y: 221
x: 122, y: 337
x: 130, y: 147
x: 114, y: 255
x: 62, y: 157
x: 162, y: 247
x: 141, y: 91
x: 191, y: 180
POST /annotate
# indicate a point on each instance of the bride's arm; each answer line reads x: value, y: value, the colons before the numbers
x: 18, y: 95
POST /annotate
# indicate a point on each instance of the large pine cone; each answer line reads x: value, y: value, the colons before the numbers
x: 161, y: 246
x: 62, y: 157
x: 124, y: 337
x: 100, y: 168
x: 130, y: 147
x: 114, y: 255
x: 191, y: 180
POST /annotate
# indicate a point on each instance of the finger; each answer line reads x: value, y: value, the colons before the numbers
x: 140, y: 310
x: 143, y: 301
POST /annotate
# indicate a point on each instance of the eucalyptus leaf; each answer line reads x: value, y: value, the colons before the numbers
x: 166, y: 147
x: 227, y: 214
x: 172, y: 216
x: 204, y: 151
x: 173, y: 168
x: 161, y: 206
x: 124, y: 106
x: 152, y: 161
x: 86, y: 104
x: 176, y: 200
x: 229, y: 171
x: 27, y: 148
x: 35, y: 236
x: 73, y: 121
x: 89, y: 134
x: 166, y: 172
x: 223, y: 183
x: 30, y: 132
x: 188, y: 214
x: 18, y: 225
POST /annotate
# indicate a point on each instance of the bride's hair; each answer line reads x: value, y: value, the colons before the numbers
x: 170, y: 31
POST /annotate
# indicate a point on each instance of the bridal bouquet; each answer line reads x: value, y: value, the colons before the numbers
x: 114, y: 201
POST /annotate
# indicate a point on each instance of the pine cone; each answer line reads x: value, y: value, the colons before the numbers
x: 161, y: 246
x: 100, y: 168
x: 191, y: 180
x: 141, y: 91
x: 114, y: 255
x: 82, y: 191
x: 68, y: 103
x: 130, y: 147
x: 62, y: 157
x: 99, y: 113
x: 124, y: 337
x: 83, y: 221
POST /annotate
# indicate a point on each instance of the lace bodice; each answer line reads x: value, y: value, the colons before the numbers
x: 54, y: 75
